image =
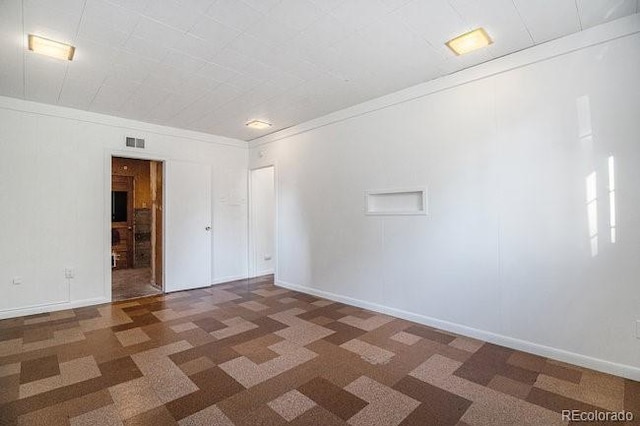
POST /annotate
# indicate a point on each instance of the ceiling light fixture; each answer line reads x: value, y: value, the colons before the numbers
x: 469, y: 42
x: 258, y: 124
x: 51, y: 48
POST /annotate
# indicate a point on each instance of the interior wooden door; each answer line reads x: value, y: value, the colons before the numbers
x: 122, y: 221
x: 188, y: 226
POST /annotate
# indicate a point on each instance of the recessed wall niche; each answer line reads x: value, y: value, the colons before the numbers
x: 400, y: 202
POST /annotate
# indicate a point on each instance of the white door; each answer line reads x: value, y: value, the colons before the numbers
x: 188, y: 226
x: 262, y: 211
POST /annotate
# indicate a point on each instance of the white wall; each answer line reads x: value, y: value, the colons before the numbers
x: 262, y: 226
x: 504, y: 149
x: 54, y: 183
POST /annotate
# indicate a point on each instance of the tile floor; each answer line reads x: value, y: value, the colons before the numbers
x: 132, y: 283
x: 250, y: 353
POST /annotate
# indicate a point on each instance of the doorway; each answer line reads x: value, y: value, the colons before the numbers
x: 262, y: 223
x: 136, y: 228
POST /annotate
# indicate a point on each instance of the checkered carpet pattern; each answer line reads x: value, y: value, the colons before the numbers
x: 249, y: 353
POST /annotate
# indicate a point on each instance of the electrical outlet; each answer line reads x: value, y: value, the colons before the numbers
x: 16, y: 280
x: 69, y: 273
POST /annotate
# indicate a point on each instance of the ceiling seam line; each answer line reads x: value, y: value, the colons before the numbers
x: 575, y: 2
x: 75, y: 39
x: 526, y: 27
x: 95, y: 95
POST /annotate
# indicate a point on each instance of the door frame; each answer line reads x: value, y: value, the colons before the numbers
x: 109, y: 153
x: 252, y: 246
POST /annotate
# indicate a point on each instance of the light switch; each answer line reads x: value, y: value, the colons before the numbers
x: 69, y: 273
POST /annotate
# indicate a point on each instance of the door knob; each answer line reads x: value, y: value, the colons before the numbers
x: 208, y: 228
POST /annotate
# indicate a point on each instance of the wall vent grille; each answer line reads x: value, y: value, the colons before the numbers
x: 134, y: 142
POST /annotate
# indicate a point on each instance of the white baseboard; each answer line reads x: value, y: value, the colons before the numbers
x: 61, y: 306
x: 230, y: 278
x: 51, y: 307
x: 622, y: 370
x: 265, y: 272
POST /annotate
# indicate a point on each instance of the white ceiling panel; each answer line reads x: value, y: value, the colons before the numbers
x: 184, y: 62
x: 294, y: 65
x: 180, y: 14
x: 169, y: 107
x: 132, y: 5
x: 324, y: 32
x: 217, y: 72
x: 144, y: 48
x: 11, y: 71
x: 252, y: 47
x: 44, y: 78
x: 156, y: 32
x: 143, y: 101
x: 185, y: 117
x: 86, y: 74
x: 197, y: 47
x: 211, y: 65
x: 298, y: 14
x: 107, y: 23
x: 78, y: 91
x: 444, y: 22
x: 234, y: 13
x: 12, y: 50
x: 597, y: 12
x: 130, y: 68
x: 214, y: 32
x: 545, y: 26
x: 273, y: 31
x: 55, y: 20
x: 110, y: 99
x: 358, y: 13
x: 263, y: 6
x: 203, y: 105
x: 167, y: 78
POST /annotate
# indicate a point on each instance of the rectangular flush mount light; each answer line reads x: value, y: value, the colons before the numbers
x: 51, y: 48
x: 259, y: 125
x: 469, y: 42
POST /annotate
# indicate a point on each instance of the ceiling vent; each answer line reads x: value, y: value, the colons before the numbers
x: 134, y: 142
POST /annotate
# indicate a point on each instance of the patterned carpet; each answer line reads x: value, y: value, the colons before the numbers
x: 251, y: 353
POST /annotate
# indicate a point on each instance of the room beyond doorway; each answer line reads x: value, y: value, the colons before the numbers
x: 136, y: 228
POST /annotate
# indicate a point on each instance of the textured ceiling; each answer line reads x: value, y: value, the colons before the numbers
x: 212, y: 65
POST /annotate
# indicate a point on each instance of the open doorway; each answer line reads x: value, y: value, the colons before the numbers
x: 262, y: 222
x: 136, y: 228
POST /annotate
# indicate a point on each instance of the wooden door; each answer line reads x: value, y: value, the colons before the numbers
x: 122, y: 221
